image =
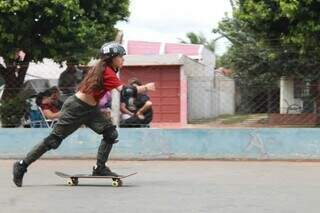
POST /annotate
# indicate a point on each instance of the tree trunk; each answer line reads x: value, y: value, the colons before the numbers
x: 12, y: 108
x: 13, y: 76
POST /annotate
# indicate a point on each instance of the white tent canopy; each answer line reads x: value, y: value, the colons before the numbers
x: 47, y: 69
x: 42, y: 75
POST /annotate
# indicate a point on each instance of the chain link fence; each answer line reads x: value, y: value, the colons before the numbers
x: 287, y: 102
x: 215, y: 101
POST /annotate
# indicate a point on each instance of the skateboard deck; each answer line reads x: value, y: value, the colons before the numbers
x: 74, y: 179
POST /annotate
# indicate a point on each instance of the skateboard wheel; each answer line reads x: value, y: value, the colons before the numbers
x: 73, y: 182
x: 115, y: 183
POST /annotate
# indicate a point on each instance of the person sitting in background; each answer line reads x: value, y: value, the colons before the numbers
x: 136, y: 111
x: 55, y: 97
x: 44, y: 101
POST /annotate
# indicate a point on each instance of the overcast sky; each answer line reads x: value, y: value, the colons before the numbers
x: 169, y: 20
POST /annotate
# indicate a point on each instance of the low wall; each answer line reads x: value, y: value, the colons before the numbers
x: 146, y: 144
x: 293, y: 119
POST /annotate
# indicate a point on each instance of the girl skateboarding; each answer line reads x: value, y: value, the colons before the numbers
x: 82, y: 108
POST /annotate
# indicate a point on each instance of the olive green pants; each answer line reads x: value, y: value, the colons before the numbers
x: 74, y: 114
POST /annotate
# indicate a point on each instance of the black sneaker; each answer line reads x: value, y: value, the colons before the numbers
x: 103, y: 171
x: 19, y: 168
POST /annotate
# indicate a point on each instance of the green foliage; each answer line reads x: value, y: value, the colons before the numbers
x: 273, y: 38
x: 12, y: 110
x: 71, y: 30
x: 194, y: 38
x: 1, y: 81
x: 58, y: 29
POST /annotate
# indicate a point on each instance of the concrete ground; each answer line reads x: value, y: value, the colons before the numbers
x: 166, y: 186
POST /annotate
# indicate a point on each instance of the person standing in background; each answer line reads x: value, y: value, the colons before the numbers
x: 69, y: 80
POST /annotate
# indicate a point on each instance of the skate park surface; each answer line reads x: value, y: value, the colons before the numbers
x: 166, y: 186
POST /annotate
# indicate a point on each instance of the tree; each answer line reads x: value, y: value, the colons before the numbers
x: 270, y: 39
x: 194, y: 38
x: 232, y: 4
x: 273, y: 38
x: 57, y: 29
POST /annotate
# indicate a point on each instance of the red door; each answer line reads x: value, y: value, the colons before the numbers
x: 166, y: 99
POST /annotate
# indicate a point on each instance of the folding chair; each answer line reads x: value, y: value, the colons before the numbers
x: 48, y: 122
x: 35, y: 117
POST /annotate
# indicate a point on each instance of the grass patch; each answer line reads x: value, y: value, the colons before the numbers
x: 229, y: 119
x: 233, y: 119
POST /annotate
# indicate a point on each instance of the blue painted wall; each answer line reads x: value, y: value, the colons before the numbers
x: 264, y: 143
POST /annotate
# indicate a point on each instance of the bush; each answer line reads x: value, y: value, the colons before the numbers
x: 11, y: 111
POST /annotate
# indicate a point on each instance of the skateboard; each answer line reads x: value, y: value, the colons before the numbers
x: 74, y: 179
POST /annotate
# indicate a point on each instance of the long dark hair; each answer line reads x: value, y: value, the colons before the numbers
x: 93, y: 81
